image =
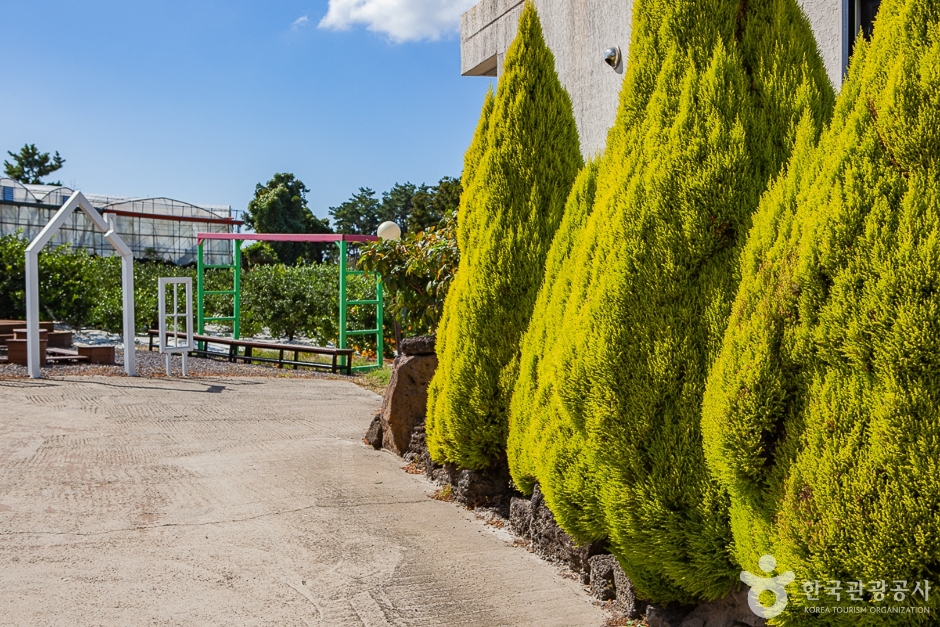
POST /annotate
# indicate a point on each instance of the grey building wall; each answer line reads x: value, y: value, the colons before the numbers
x: 579, y: 31
x: 827, y: 17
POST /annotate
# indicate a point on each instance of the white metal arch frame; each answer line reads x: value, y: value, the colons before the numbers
x: 77, y: 201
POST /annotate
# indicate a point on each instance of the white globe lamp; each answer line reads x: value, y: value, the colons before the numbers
x: 389, y: 230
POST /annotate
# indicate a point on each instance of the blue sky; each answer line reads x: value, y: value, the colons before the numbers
x: 201, y: 100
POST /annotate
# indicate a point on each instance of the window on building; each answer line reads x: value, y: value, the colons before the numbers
x: 7, y: 193
x: 862, y: 17
x: 859, y: 22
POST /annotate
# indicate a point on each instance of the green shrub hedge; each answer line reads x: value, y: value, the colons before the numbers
x: 64, y: 293
x: 508, y: 215
x: 82, y: 290
x: 609, y: 416
x: 822, y: 413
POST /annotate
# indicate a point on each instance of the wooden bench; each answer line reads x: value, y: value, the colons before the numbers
x: 234, y: 346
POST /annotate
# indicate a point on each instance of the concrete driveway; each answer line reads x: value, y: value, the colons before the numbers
x: 240, y: 502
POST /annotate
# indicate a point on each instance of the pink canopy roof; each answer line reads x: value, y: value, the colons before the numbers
x: 287, y: 237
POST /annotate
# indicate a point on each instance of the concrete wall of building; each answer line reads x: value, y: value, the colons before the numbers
x: 579, y: 31
x: 827, y: 18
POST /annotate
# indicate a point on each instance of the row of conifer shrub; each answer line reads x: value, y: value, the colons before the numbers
x: 724, y: 345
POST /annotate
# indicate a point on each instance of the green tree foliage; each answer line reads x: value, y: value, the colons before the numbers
x: 359, y: 214
x: 82, y: 290
x: 63, y: 290
x: 398, y: 203
x: 412, y: 207
x: 290, y: 301
x: 438, y: 205
x: 30, y: 166
x: 509, y: 212
x: 12, y: 277
x: 527, y: 461
x: 280, y: 206
x: 103, y: 282
x: 85, y: 291
x: 417, y: 271
x: 259, y: 254
x: 608, y: 419
x: 822, y: 412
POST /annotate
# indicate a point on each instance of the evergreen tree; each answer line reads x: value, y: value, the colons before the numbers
x: 30, y: 166
x: 822, y: 412
x: 359, y: 214
x: 609, y: 409
x: 398, y: 204
x: 412, y: 207
x: 423, y: 212
x: 446, y: 197
x: 430, y: 205
x: 509, y: 213
x: 470, y: 160
x: 528, y: 461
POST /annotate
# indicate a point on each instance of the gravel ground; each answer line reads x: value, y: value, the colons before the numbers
x: 153, y: 364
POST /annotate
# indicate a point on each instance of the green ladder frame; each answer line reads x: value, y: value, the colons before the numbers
x: 378, y: 301
x: 344, y: 303
x: 201, y: 292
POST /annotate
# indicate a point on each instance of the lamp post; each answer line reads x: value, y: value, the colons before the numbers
x: 388, y: 231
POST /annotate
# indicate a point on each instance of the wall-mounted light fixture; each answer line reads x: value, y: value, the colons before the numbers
x: 612, y: 57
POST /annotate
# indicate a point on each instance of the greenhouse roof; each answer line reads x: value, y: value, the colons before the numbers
x: 160, y: 207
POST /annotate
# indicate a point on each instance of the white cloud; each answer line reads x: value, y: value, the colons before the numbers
x: 300, y: 21
x: 401, y: 20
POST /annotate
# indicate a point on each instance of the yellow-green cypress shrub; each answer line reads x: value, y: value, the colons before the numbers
x: 529, y: 460
x: 608, y: 418
x: 464, y: 221
x: 528, y: 157
x: 822, y: 412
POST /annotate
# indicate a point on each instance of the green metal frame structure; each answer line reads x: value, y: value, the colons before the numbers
x: 342, y: 241
x: 201, y: 292
x: 378, y: 301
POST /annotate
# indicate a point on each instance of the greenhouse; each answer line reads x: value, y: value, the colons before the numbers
x: 155, y: 228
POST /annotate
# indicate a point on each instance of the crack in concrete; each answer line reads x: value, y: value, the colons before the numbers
x: 207, y: 523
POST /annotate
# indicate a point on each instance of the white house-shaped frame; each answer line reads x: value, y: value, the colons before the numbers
x: 76, y: 201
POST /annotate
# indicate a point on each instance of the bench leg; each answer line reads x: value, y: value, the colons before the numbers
x: 333, y: 369
x: 280, y: 359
